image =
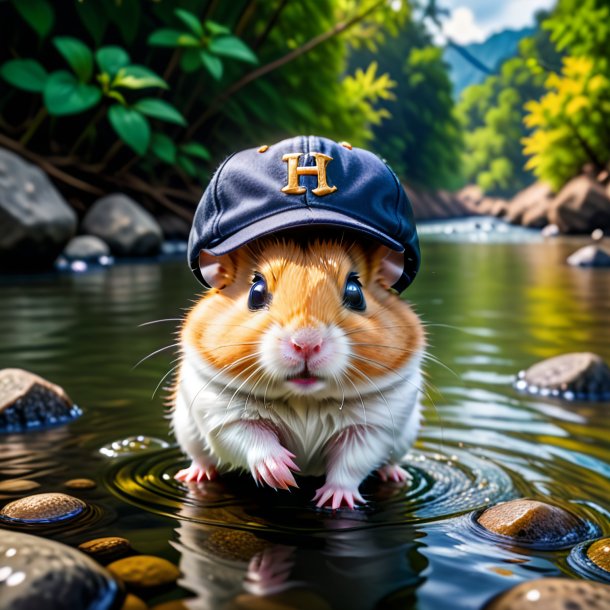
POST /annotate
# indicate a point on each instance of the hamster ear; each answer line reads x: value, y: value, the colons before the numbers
x: 216, y: 271
x: 388, y: 265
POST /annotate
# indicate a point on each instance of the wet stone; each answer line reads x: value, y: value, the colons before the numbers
x: 234, y: 545
x: 43, y: 508
x: 599, y: 554
x: 144, y: 571
x: 29, y: 401
x: 533, y: 522
x: 580, y: 376
x: 589, y: 256
x: 36, y: 573
x: 107, y: 548
x: 80, y: 484
x: 553, y: 594
x: 133, y: 603
x: 175, y: 604
x: 15, y: 486
x: 133, y: 445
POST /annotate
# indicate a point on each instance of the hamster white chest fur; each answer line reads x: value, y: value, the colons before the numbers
x: 299, y: 360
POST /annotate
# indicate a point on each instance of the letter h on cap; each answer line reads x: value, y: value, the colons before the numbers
x: 295, y: 170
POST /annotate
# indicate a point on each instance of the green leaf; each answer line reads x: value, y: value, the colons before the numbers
x: 163, y: 147
x: 190, y: 60
x: 190, y: 21
x: 94, y: 18
x: 38, y: 14
x: 194, y: 149
x: 172, y: 38
x: 64, y: 94
x: 212, y: 64
x: 111, y: 59
x: 77, y: 54
x: 138, y: 77
x: 25, y: 74
x: 131, y: 126
x: 126, y: 16
x: 231, y: 46
x: 216, y: 28
x: 159, y: 109
x: 187, y: 165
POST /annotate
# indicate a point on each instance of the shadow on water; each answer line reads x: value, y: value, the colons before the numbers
x: 491, y: 308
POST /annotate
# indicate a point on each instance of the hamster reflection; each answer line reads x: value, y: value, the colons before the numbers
x: 356, y: 569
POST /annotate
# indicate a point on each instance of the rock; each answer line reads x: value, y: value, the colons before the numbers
x: 37, y: 573
x: 86, y: 248
x: 80, y: 484
x: 589, y: 256
x: 174, y: 227
x: 15, y: 486
x: 536, y: 216
x: 432, y: 205
x: 43, y: 508
x: 125, y: 226
x: 35, y: 220
x: 534, y: 200
x: 175, y: 604
x: 29, y: 401
x: 535, y: 522
x: 597, y: 235
x: 575, y: 375
x: 581, y: 206
x: 550, y: 231
x: 144, y: 571
x: 107, y: 548
x: 133, y: 603
x: 553, y: 594
x: 470, y: 195
x: 599, y: 553
x: 234, y: 545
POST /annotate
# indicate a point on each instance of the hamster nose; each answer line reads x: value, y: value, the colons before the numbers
x: 306, y: 342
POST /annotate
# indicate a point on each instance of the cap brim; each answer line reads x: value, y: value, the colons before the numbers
x: 291, y: 219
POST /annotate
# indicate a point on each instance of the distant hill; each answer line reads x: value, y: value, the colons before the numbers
x: 491, y: 52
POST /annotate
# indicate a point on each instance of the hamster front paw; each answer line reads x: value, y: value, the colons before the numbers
x: 196, y: 473
x: 276, y: 469
x: 333, y: 496
x: 393, y: 472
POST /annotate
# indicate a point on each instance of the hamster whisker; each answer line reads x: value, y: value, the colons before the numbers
x: 159, y: 321
x: 155, y: 353
x: 359, y: 396
x: 376, y: 328
x: 242, y: 384
x: 164, y: 378
x: 233, y: 345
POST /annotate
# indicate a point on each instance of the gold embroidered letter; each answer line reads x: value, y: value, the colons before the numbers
x: 294, y: 171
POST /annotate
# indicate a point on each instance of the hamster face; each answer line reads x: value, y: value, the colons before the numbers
x: 312, y: 320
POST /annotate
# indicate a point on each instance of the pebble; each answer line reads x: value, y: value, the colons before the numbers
x: 599, y: 553
x: 234, y: 545
x: 553, y: 594
x: 80, y: 484
x: 175, y: 604
x: 43, y: 508
x: 41, y: 574
x: 144, y: 571
x: 133, y: 445
x: 589, y: 256
x: 531, y: 521
x: 18, y: 485
x: 133, y: 603
x: 104, y: 549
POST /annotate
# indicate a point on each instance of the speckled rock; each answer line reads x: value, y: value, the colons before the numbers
x: 124, y: 225
x: 106, y: 549
x: 531, y: 521
x: 589, y: 256
x: 41, y: 574
x: 80, y: 484
x: 133, y: 603
x: 16, y: 486
x: 553, y: 594
x: 29, y: 401
x: 86, y: 248
x: 43, y: 508
x: 144, y: 571
x: 234, y: 545
x: 599, y: 553
x: 580, y: 375
x: 175, y: 604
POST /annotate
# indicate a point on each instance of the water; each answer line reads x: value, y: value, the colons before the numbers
x: 493, y: 307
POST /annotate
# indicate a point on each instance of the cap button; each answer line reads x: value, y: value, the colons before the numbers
x: 263, y: 148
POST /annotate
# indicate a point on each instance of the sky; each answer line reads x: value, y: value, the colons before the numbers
x: 476, y: 20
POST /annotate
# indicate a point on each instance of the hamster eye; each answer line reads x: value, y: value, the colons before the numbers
x: 353, y: 297
x: 258, y: 297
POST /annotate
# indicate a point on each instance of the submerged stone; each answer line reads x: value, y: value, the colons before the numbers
x: 15, y: 486
x: 41, y: 574
x: 589, y: 256
x: 144, y: 571
x: 29, y: 401
x: 534, y: 522
x: 107, y: 548
x: 553, y: 594
x: 599, y: 554
x: 80, y: 484
x: 86, y: 248
x: 133, y: 603
x: 579, y: 375
x: 43, y: 508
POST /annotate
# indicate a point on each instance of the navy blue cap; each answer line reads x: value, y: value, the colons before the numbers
x: 303, y: 182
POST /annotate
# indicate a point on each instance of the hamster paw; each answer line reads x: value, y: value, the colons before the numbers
x: 333, y: 496
x: 393, y: 472
x: 275, y: 470
x: 196, y: 473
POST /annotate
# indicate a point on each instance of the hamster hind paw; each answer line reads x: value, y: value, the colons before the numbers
x: 393, y: 472
x: 276, y: 470
x: 333, y: 496
x: 196, y: 473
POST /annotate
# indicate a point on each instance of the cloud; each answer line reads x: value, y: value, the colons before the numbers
x: 462, y: 28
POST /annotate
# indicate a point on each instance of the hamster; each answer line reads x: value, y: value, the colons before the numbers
x: 299, y: 360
